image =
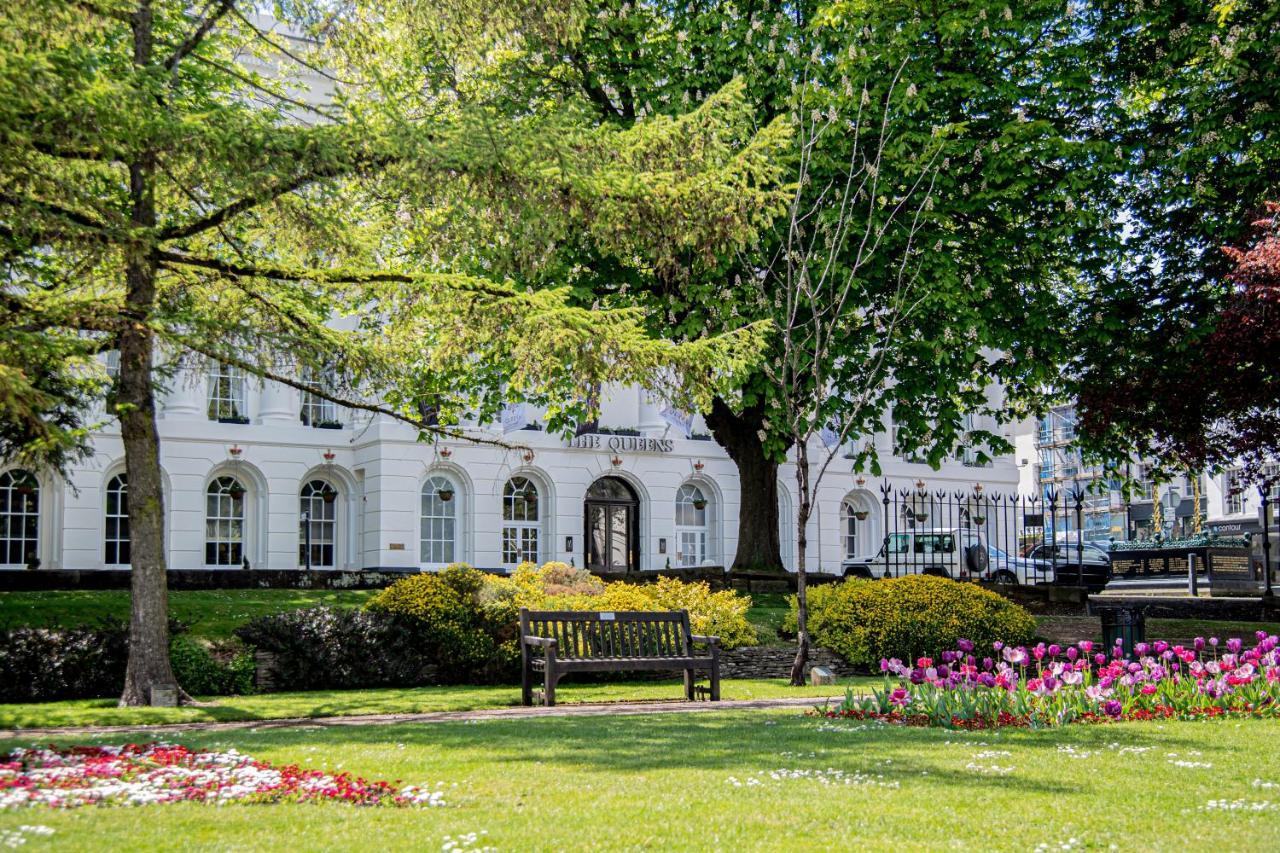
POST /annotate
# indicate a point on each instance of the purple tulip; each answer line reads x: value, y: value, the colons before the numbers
x: 1141, y: 649
x: 1112, y: 708
x: 917, y: 677
x: 1100, y: 659
x: 1261, y: 635
x: 1199, y: 644
x: 944, y: 671
x: 986, y: 679
x: 1072, y: 653
x: 1160, y: 646
x: 997, y: 645
x: 964, y: 645
x: 987, y: 663
x: 884, y: 664
x: 1213, y: 641
x: 1234, y: 645
x: 1055, y: 650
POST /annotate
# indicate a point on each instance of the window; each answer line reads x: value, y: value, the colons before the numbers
x: 116, y: 535
x: 112, y: 363
x: 520, y: 526
x: 969, y: 455
x: 1237, y: 500
x: 935, y: 544
x: 226, y: 393
x: 316, y: 410
x: 318, y: 512
x: 439, y: 526
x: 691, y: 526
x: 19, y: 518
x: 898, y: 543
x: 224, y: 523
x: 851, y: 515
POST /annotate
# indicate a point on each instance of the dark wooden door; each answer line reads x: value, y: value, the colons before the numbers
x: 611, y: 521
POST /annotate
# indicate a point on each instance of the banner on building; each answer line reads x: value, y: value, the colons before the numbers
x: 514, y: 416
x: 677, y: 419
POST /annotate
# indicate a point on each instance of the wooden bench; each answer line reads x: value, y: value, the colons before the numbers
x: 557, y: 642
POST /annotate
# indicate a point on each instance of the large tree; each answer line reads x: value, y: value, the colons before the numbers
x: 160, y: 197
x: 1003, y: 92
x: 1195, y: 111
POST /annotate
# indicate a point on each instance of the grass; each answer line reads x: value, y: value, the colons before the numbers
x: 766, y: 614
x: 415, y: 700
x: 211, y: 615
x: 663, y: 782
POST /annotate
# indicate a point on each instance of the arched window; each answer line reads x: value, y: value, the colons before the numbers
x: 439, y: 515
x: 19, y: 518
x: 521, y: 528
x: 224, y: 523
x: 116, y: 532
x: 691, y: 526
x: 226, y: 394
x: 317, y: 515
x: 849, y: 528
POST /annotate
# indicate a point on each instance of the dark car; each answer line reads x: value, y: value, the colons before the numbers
x: 1070, y: 565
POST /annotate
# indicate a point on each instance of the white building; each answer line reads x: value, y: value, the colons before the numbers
x: 244, y: 461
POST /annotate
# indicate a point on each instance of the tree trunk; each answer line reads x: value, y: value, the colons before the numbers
x: 739, y: 434
x: 802, y: 543
x: 148, y: 666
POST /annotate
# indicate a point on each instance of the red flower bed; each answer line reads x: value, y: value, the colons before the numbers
x: 138, y: 774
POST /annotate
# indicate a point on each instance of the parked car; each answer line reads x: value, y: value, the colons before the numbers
x: 950, y: 552
x: 1007, y: 568
x: 1067, y: 564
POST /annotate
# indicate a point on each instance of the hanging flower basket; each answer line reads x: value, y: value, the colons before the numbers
x: 236, y: 492
x: 329, y: 496
x: 979, y: 519
x: 445, y: 495
x: 25, y: 489
x: 861, y: 514
x: 700, y: 503
x: 922, y: 516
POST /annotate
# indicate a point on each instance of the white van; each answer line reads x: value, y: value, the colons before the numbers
x: 949, y: 552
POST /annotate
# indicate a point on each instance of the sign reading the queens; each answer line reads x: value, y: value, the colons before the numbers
x: 622, y: 443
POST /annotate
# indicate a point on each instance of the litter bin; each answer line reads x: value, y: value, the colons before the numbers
x: 1126, y: 624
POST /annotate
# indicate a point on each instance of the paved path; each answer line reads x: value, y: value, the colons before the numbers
x: 585, y: 709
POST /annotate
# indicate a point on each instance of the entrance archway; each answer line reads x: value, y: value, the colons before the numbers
x: 612, y: 525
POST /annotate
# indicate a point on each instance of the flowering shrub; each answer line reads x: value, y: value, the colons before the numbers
x: 1051, y: 685
x: 557, y: 586
x: 160, y: 773
x: 864, y: 621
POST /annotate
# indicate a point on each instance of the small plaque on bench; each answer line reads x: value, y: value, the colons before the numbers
x: 606, y: 616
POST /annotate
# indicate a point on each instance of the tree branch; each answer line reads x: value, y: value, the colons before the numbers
x: 192, y: 41
x: 213, y: 220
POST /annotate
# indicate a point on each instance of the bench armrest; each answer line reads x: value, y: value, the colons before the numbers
x: 710, y: 641
x: 545, y: 642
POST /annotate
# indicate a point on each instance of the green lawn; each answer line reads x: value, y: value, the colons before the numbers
x: 211, y: 614
x: 416, y: 700
x: 665, y: 782
x: 766, y: 614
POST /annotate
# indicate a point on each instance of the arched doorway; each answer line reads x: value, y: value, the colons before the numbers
x: 612, y: 524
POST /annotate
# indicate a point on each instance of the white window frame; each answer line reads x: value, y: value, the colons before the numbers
x: 226, y: 392
x: 315, y: 409
x: 323, y: 520
x: 692, y: 526
x: 521, y: 529
x: 17, y: 510
x: 438, y: 522
x: 115, y: 529
x: 227, y: 523
x: 849, y: 528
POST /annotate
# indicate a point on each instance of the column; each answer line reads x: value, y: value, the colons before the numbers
x: 185, y: 399
x: 648, y: 421
x: 279, y: 404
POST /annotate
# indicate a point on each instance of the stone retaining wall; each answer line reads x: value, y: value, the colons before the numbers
x: 775, y: 662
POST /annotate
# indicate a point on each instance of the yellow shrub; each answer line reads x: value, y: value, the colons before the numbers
x: 906, y: 617
x: 557, y: 586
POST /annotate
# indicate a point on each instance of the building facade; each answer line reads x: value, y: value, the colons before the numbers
x: 1225, y: 503
x: 259, y: 474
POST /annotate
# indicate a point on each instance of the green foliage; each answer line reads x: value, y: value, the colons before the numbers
x: 470, y: 637
x: 201, y: 674
x: 907, y: 617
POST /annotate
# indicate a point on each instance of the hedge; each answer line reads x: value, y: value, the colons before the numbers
x: 907, y: 617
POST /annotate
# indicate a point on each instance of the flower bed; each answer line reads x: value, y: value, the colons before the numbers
x: 161, y: 773
x: 1050, y: 685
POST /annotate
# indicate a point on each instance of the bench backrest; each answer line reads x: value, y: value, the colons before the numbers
x: 611, y: 634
